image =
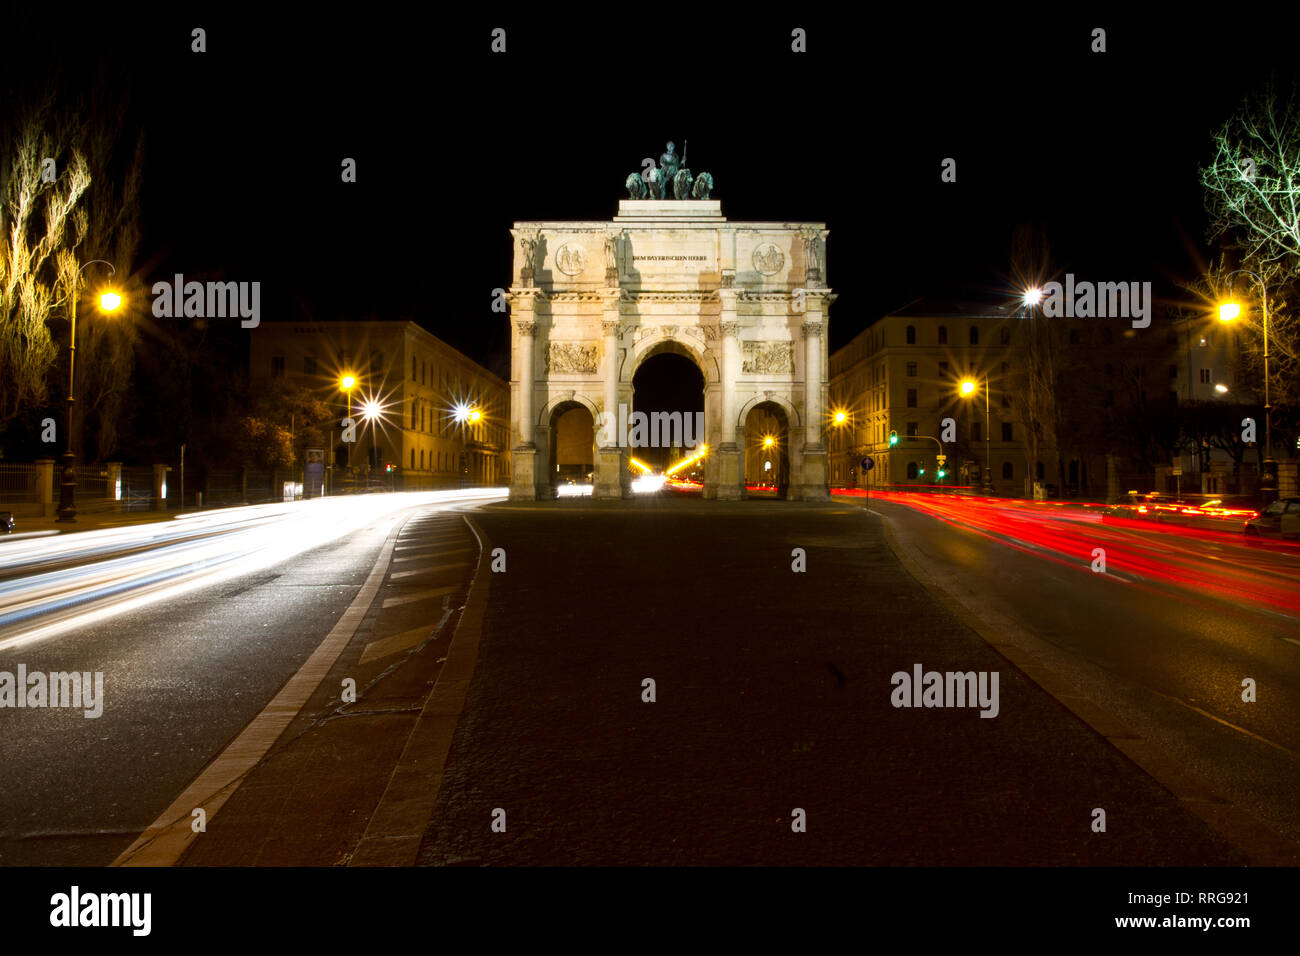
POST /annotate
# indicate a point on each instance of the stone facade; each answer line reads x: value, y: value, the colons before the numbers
x: 746, y: 302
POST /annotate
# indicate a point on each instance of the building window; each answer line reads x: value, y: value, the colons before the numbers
x: 912, y: 429
x: 277, y: 366
x: 1006, y: 335
x: 943, y: 369
x: 1008, y: 470
x: 1106, y: 336
x: 421, y: 459
x: 911, y: 335
x: 1006, y: 399
x: 911, y: 398
x: 415, y: 366
x: 911, y: 370
x: 943, y: 335
x: 414, y: 419
x: 309, y: 365
x: 976, y: 433
x: 1006, y: 431
x: 974, y: 335
x: 1005, y: 368
x: 376, y: 362
x: 413, y: 459
x: 1173, y: 371
x: 1074, y: 336
x: 911, y: 469
x: 1205, y: 376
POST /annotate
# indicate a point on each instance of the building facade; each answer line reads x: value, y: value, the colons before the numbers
x: 443, y: 421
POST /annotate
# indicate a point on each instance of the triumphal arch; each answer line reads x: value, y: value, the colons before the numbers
x: 747, y: 302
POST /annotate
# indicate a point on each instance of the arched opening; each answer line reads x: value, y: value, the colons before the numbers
x: 573, y: 445
x: 767, y: 451
x: 666, y: 424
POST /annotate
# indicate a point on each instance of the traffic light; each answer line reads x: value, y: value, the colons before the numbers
x: 920, y: 471
x: 941, y: 473
x: 389, y: 468
x: 893, y: 439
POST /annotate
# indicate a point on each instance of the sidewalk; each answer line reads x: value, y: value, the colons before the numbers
x: 88, y: 522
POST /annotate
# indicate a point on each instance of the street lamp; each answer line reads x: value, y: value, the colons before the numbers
x: 466, y: 414
x: 108, y: 302
x: 968, y: 387
x: 1228, y: 312
x: 371, y: 411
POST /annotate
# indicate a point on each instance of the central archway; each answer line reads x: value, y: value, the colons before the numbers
x: 668, y: 400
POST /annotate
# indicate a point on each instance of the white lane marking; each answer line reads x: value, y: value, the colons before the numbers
x: 417, y: 596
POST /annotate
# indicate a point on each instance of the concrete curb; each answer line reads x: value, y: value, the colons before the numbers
x: 1263, y: 845
x: 167, y: 839
x: 398, y: 825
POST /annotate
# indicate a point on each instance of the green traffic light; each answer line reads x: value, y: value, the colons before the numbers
x: 921, y: 472
x: 941, y: 473
x: 893, y: 438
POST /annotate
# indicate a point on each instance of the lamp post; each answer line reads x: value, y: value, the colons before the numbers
x: 108, y: 302
x: 1228, y: 312
x: 371, y: 411
x: 466, y: 415
x: 347, y: 382
x: 968, y: 387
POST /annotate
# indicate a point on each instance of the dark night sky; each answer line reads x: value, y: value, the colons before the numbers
x: 454, y: 144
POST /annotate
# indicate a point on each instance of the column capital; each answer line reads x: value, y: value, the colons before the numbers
x: 610, y: 326
x: 729, y: 328
x: 525, y: 327
x: 812, y: 330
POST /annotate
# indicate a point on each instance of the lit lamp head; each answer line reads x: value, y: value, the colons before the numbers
x: 1033, y: 296
x: 110, y: 301
x: 968, y: 386
x: 371, y: 409
x: 347, y: 382
x: 768, y: 441
x: 841, y: 417
x: 1229, y: 311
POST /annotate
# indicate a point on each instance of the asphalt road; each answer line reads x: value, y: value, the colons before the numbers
x: 1163, y: 639
x: 182, y: 676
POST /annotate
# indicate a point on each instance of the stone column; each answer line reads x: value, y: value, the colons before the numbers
x: 45, y: 486
x: 115, y: 481
x: 160, y: 487
x: 610, y: 466
x: 813, y: 480
x: 523, y: 484
x: 728, y: 472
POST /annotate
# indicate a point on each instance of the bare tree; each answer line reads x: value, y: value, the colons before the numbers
x: 1252, y: 193
x: 41, y: 226
x: 1253, y: 184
